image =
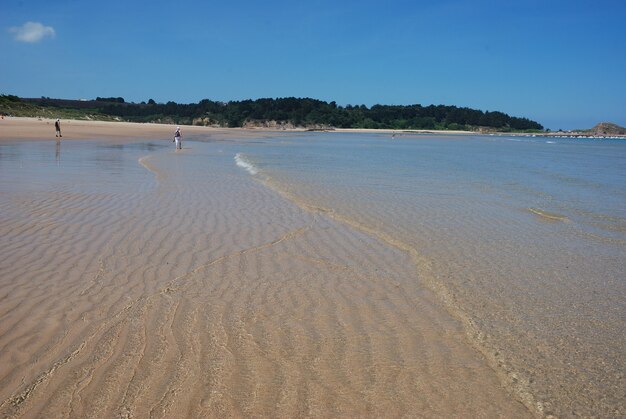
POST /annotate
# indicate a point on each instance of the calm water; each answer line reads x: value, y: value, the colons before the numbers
x: 524, y: 239
x: 76, y: 166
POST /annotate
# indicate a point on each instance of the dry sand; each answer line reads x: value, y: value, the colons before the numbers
x: 202, y: 293
x: 12, y: 128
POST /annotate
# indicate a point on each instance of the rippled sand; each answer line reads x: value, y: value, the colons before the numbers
x: 180, y: 287
x: 521, y: 241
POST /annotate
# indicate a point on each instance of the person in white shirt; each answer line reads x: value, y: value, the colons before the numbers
x: 178, y: 139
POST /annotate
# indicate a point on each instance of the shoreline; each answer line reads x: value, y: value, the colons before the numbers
x: 30, y: 128
x: 36, y: 129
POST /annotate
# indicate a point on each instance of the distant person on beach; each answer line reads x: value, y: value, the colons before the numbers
x: 57, y: 127
x: 178, y: 139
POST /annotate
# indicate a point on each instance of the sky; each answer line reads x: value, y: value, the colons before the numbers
x: 560, y: 63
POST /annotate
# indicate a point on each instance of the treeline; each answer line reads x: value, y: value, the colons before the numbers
x: 110, y: 99
x: 303, y: 112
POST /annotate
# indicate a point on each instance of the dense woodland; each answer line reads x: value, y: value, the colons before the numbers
x: 300, y: 112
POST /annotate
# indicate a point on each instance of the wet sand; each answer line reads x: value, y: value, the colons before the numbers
x: 180, y: 287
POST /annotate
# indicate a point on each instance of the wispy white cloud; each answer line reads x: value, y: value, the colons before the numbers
x: 32, y: 32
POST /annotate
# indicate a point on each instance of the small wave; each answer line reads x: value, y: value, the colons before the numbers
x: 550, y: 142
x: 244, y: 163
x: 548, y: 215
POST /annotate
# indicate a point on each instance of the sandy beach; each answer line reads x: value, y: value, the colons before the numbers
x: 12, y: 128
x: 172, y: 284
x: 43, y: 129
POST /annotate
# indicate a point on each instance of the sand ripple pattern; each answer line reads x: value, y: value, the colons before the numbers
x: 208, y: 295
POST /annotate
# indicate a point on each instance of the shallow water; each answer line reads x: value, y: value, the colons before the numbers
x: 523, y: 239
x: 136, y: 281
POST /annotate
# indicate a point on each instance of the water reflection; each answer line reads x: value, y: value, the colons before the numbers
x: 57, y: 153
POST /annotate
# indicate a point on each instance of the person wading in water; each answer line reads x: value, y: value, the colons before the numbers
x: 178, y: 139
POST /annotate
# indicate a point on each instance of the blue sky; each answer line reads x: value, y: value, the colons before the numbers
x: 561, y: 63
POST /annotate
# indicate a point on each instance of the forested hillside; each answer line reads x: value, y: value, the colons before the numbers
x: 300, y: 112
